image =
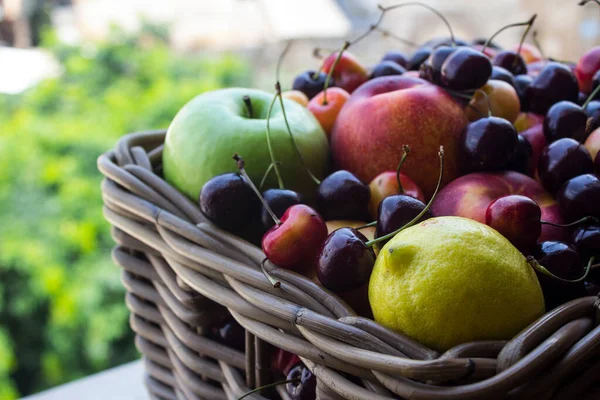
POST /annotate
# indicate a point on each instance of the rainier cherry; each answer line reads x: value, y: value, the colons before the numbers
x: 326, y: 106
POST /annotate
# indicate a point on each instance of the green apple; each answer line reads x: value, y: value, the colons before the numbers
x: 213, y: 126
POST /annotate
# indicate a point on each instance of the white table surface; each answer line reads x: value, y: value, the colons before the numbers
x: 121, y: 383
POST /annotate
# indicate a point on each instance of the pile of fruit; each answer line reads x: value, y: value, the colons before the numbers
x: 451, y: 195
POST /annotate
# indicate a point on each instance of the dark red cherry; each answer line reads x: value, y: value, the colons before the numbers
x: 522, y: 82
x: 565, y: 120
x: 345, y: 262
x: 554, y: 83
x: 579, y: 197
x: 396, y: 211
x: 386, y: 68
x: 418, y: 58
x: 562, y: 160
x: 487, y: 145
x: 311, y: 83
x: 231, y: 334
x: 597, y: 163
x: 229, y: 202
x: 521, y: 160
x: 396, y: 56
x: 279, y: 200
x: 511, y: 61
x: 592, y: 288
x: 502, y: 74
x: 304, y: 385
x: 586, y: 240
x: 431, y: 70
x: 595, y: 83
x: 482, y: 41
x: 343, y: 196
x: 466, y: 68
x: 592, y: 111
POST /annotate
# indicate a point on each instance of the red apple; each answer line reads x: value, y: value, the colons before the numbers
x: 386, y: 184
x: 592, y: 143
x: 501, y: 97
x: 469, y: 196
x: 326, y: 114
x: 349, y: 73
x: 536, y: 138
x: 388, y: 112
x: 587, y: 66
x: 295, y: 243
x: 526, y: 120
x: 529, y: 52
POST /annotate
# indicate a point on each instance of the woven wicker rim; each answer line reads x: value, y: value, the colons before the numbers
x: 150, y: 216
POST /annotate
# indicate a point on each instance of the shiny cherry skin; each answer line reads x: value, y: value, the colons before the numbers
x: 229, y: 202
x: 343, y: 196
x: 279, y: 200
x: 595, y: 83
x: 345, y: 262
x: 431, y: 70
x: 510, y: 61
x: 565, y: 120
x: 386, y: 184
x: 418, y: 58
x: 487, y: 145
x: 481, y: 41
x: 386, y: 68
x: 517, y: 218
x: 295, y: 243
x: 231, y: 334
x: 579, y: 197
x: 554, y: 83
x: 307, y: 84
x: 522, y: 159
x: 304, y: 385
x: 522, y: 82
x: 592, y: 288
x: 502, y: 74
x: 597, y: 163
x: 396, y: 211
x: 592, y: 110
x: 396, y: 56
x: 586, y: 240
x: 465, y: 69
x: 562, y: 160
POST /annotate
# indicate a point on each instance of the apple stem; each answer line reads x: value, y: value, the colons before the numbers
x: 540, y: 268
x: 584, y: 2
x: 531, y: 21
x: 405, y: 152
x: 274, y: 163
x: 294, y: 144
x: 240, y: 164
x: 528, y: 22
x: 267, y: 172
x: 386, y: 33
x: 536, y: 42
x: 433, y: 10
x: 273, y: 281
x: 390, y: 235
x: 248, y: 104
x: 370, y: 224
x: 583, y: 220
x: 330, y: 73
x: 591, y: 97
x: 270, y: 385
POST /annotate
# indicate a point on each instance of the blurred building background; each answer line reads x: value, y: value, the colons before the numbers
x: 75, y: 75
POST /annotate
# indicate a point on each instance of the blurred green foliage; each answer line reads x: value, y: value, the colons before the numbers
x: 62, y: 312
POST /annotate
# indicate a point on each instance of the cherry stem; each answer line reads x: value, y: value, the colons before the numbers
x: 433, y: 10
x: 583, y: 220
x: 270, y: 385
x: 529, y: 22
x: 534, y: 37
x: 390, y: 235
x: 248, y: 104
x: 397, y: 38
x: 370, y: 224
x: 591, y: 97
x: 267, y: 172
x: 406, y: 151
x: 584, y: 2
x: 274, y: 163
x: 273, y: 281
x: 477, y: 110
x: 540, y: 268
x: 294, y: 144
x: 330, y: 73
x: 487, y: 99
x: 240, y: 164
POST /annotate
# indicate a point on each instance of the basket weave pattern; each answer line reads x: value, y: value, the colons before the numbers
x: 182, y: 274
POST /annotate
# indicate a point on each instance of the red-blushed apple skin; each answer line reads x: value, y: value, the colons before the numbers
x: 388, y: 112
x: 295, y: 243
x: 411, y: 74
x: 349, y: 73
x: 587, y: 66
x: 386, y: 184
x: 537, y: 140
x: 470, y: 195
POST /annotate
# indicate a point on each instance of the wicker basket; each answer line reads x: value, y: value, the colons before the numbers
x: 183, y: 274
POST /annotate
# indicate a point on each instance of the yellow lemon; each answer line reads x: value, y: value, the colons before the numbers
x: 451, y: 280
